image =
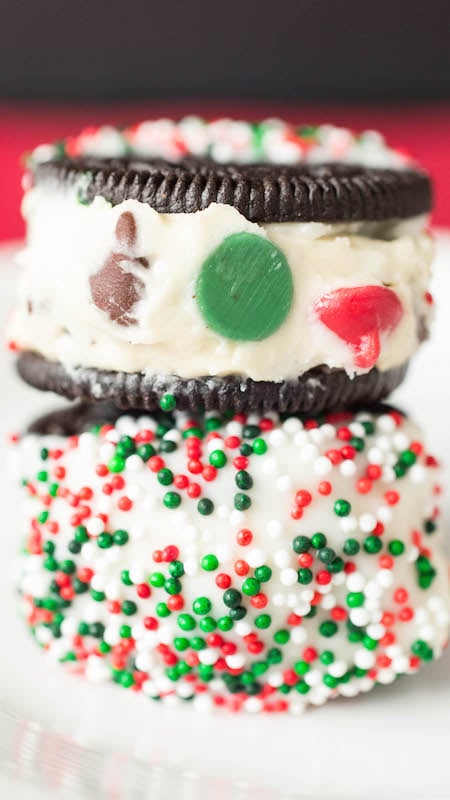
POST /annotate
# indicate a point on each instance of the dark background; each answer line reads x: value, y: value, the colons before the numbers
x: 384, y: 50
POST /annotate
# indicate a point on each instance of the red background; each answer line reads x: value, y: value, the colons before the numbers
x: 422, y: 130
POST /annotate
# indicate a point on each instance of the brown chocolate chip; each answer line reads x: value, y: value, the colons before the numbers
x: 143, y: 261
x: 29, y: 306
x: 116, y: 290
x: 126, y: 229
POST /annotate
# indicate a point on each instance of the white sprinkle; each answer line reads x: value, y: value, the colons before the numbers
x: 385, y: 423
x: 337, y: 668
x: 367, y: 523
x: 348, y: 524
x: 256, y: 557
x: 276, y: 438
x: 363, y: 658
x: 298, y: 634
x: 95, y: 526
x: 375, y: 456
x: 386, y: 676
x: 191, y: 566
x: 242, y: 628
x: 282, y: 558
x: 388, y: 475
x: 288, y: 577
x: 355, y: 582
x: 385, y: 514
x: 284, y: 483
x: 417, y: 474
x: 385, y: 578
x: 322, y: 466
x: 235, y: 661
x: 134, y: 463
x: 308, y: 453
x: 292, y: 425
x: 347, y: 468
x: 359, y: 616
x: 267, y: 465
x: 313, y: 677
x: 376, y: 631
x: 208, y: 656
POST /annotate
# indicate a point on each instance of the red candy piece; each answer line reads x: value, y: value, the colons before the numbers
x: 359, y: 315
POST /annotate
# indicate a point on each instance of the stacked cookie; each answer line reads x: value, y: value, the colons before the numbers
x: 252, y: 528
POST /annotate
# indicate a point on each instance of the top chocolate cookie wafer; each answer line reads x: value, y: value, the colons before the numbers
x: 249, y: 266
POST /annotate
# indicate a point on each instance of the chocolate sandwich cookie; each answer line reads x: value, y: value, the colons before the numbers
x: 234, y: 265
x: 251, y: 563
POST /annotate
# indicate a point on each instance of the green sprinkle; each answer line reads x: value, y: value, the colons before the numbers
x: 176, y: 569
x: 81, y: 534
x: 42, y: 476
x: 172, y: 586
x: 263, y: 621
x: 116, y: 464
x: 208, y: 624
x: 145, y: 451
x: 120, y: 537
x: 328, y: 628
x: 355, y: 599
x: 156, y: 579
x: 232, y: 598
x: 327, y: 657
x: 305, y: 575
x: 186, y: 622
x: 105, y: 540
x: 167, y: 402
x: 342, y: 508
x: 259, y: 447
x: 205, y: 507
x: 165, y: 476
x: 125, y: 578
x: 68, y: 566
x: 242, y: 501
x: 396, y: 547
x: 318, y: 540
x: 281, y: 636
x: 172, y: 499
x: 129, y: 607
x: 408, y: 458
x: 263, y: 573
x: 180, y: 643
x: 125, y: 447
x: 162, y: 610
x: 251, y: 586
x: 201, y: 605
x: 373, y: 544
x: 217, y: 459
x: 243, y: 479
x: 351, y: 547
x: 326, y: 555
x: 225, y: 624
x: 209, y: 562
x: 301, y: 544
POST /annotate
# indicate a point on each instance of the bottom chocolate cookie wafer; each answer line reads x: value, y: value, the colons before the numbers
x: 316, y: 390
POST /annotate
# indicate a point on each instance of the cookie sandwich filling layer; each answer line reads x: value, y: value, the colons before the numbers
x: 209, y: 293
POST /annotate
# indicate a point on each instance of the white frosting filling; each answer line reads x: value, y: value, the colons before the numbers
x: 69, y: 242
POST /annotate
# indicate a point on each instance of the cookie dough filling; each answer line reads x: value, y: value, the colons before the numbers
x: 256, y: 563
x: 209, y: 293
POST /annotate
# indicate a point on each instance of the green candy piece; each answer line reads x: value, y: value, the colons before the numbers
x: 245, y: 288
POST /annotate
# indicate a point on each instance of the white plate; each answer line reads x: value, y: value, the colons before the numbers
x: 60, y: 737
